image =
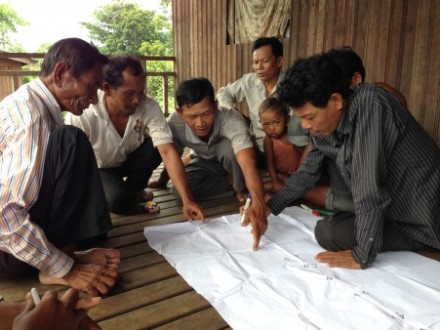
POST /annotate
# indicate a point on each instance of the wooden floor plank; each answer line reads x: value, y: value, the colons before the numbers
x: 207, y: 319
x: 149, y: 293
x: 142, y: 296
x: 154, y: 315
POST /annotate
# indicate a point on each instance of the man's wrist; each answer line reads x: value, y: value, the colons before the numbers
x: 362, y: 263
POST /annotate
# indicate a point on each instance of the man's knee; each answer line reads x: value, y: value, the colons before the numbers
x: 336, y: 233
x: 324, y: 235
x: 339, y: 201
x: 68, y: 133
x: 117, y: 200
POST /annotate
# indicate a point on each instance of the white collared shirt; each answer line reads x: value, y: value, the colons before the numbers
x: 111, y: 150
x: 252, y: 89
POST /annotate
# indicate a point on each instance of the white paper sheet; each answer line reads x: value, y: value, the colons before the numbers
x: 280, y: 286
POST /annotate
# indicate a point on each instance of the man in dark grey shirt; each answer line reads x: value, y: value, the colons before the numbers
x: 387, y: 160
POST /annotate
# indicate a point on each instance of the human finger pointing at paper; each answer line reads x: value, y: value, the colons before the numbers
x: 383, y: 155
x: 255, y: 214
x: 221, y: 144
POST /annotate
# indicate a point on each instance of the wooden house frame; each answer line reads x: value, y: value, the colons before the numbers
x: 399, y: 41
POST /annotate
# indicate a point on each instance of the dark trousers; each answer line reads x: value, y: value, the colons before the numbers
x: 337, y: 233
x: 209, y: 178
x: 71, y: 206
x: 121, y: 183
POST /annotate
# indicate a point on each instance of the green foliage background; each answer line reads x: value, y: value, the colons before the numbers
x: 120, y: 27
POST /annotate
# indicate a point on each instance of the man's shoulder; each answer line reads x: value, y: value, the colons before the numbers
x: 229, y: 114
x: 174, y: 116
x: 149, y: 110
x: 231, y: 121
x: 150, y: 102
x: 175, y: 121
x: 250, y: 79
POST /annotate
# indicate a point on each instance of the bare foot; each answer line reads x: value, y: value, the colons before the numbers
x: 430, y: 254
x: 161, y: 182
x: 157, y: 184
x: 110, y: 258
x: 144, y: 196
x: 91, y: 279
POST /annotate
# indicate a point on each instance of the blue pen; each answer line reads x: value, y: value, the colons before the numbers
x: 246, y: 206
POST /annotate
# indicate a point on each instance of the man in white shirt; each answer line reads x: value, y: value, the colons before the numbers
x: 255, y: 87
x: 125, y: 127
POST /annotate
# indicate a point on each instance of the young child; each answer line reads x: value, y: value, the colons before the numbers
x: 282, y: 157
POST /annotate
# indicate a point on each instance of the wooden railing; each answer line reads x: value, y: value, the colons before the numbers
x: 17, y: 75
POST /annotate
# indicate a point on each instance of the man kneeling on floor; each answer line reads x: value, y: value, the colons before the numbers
x: 221, y: 147
x: 386, y: 159
x: 130, y: 137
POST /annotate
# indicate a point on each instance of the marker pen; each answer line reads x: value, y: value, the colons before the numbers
x: 246, y: 206
x: 35, y: 296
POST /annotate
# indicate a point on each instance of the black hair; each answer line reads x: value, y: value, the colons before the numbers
x: 349, y: 61
x: 274, y: 43
x: 275, y: 105
x: 116, y: 65
x: 313, y: 79
x: 79, y: 54
x: 193, y: 90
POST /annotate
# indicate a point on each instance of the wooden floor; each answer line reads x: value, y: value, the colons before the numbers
x: 150, y: 293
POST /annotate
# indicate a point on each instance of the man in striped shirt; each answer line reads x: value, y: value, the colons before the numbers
x: 386, y: 159
x: 51, y: 195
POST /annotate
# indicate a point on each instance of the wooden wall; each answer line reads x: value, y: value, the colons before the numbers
x: 398, y: 40
x: 8, y: 84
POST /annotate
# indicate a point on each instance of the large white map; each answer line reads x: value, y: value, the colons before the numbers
x: 280, y: 286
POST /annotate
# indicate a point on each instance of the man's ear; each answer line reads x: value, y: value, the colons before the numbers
x: 336, y: 101
x: 280, y: 61
x: 356, y: 79
x: 106, y: 88
x: 179, y: 111
x: 59, y: 73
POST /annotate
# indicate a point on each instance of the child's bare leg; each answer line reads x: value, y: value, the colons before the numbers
x: 241, y: 196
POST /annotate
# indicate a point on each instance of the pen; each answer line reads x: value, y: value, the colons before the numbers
x: 35, y: 296
x: 246, y: 206
x: 305, y: 207
x: 324, y: 212
x: 317, y: 212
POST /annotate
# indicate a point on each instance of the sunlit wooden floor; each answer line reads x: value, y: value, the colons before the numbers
x: 150, y: 294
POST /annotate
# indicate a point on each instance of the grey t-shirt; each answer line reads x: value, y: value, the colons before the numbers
x: 228, y: 124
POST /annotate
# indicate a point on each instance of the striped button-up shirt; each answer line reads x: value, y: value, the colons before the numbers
x: 390, y: 164
x: 26, y: 119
